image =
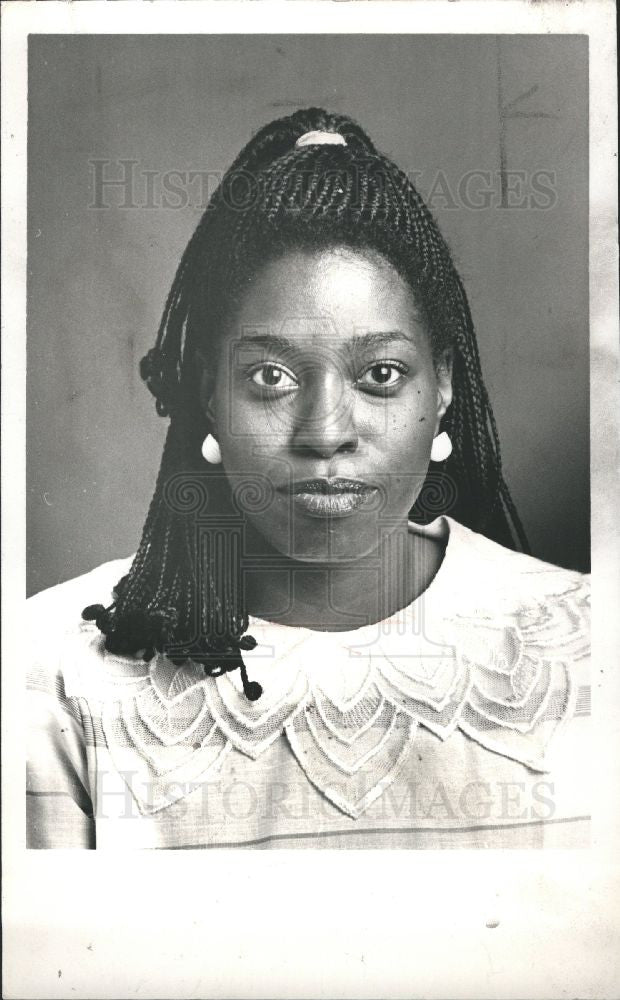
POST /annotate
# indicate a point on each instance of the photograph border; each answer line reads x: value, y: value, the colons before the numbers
x: 226, y: 924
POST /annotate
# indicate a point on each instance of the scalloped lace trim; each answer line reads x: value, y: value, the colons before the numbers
x: 343, y: 706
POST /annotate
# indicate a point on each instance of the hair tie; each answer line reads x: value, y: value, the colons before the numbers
x: 321, y: 139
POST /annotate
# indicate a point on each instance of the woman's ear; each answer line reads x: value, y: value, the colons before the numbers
x: 207, y: 387
x: 443, y: 372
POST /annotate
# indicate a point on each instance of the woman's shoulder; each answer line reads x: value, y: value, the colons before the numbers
x: 60, y: 607
x: 526, y: 603
x: 505, y: 574
x: 55, y: 631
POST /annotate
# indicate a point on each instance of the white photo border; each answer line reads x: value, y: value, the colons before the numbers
x: 326, y: 923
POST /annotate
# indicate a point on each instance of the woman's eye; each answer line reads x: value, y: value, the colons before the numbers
x: 273, y: 377
x: 383, y: 375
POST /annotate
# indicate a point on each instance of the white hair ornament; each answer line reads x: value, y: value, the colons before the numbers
x: 321, y: 139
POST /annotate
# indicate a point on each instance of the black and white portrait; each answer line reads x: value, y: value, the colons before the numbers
x: 348, y: 617
x: 308, y: 448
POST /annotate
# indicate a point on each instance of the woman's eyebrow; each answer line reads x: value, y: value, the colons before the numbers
x: 357, y: 341
x: 379, y: 339
x: 267, y: 340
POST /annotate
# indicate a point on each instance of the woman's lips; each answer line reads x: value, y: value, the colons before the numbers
x: 330, y: 497
x: 330, y: 504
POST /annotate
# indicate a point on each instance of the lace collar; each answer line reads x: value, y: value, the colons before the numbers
x: 464, y: 656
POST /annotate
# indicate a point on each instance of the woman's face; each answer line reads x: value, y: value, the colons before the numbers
x: 325, y: 403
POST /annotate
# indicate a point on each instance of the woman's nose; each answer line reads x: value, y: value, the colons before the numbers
x: 324, y: 421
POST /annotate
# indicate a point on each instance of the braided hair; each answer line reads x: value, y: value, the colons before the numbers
x: 276, y: 197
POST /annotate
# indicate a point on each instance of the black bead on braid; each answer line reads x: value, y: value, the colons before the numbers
x: 274, y: 198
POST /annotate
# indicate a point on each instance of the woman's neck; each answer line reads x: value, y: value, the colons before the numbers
x: 334, y: 598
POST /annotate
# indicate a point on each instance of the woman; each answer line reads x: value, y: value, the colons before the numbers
x: 325, y: 637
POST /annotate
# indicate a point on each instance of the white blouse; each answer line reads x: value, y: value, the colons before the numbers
x: 460, y: 721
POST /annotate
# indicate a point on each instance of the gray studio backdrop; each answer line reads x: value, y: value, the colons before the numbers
x: 494, y: 130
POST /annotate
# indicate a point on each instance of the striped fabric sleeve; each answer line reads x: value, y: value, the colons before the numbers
x: 59, y: 805
x: 59, y: 811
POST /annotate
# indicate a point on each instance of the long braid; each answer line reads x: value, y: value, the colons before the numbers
x: 312, y: 196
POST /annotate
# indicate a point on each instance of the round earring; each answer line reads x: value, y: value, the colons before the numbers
x: 211, y: 450
x: 442, y: 448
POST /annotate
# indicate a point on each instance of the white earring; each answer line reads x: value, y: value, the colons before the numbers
x: 211, y: 450
x: 442, y: 448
